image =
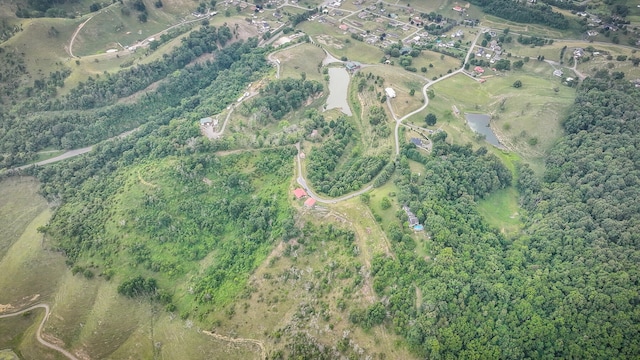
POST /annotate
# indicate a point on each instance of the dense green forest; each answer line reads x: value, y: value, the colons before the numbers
x: 567, y: 287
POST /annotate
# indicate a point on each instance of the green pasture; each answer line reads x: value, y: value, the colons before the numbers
x: 304, y: 58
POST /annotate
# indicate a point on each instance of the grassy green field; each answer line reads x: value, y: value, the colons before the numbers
x: 19, y: 206
x: 501, y: 210
x: 302, y: 58
x: 43, y: 53
x: 402, y: 82
x: 529, y: 126
x: 340, y: 45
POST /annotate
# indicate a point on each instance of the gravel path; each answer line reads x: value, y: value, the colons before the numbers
x: 39, y: 331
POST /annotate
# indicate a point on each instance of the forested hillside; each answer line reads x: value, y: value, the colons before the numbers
x: 567, y: 287
x: 91, y: 112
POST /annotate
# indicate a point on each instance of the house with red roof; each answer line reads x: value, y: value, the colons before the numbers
x: 478, y: 70
x: 310, y: 202
x: 457, y: 8
x: 299, y: 193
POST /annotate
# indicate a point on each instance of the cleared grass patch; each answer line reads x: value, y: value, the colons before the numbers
x: 20, y: 204
x: 110, y: 27
x: 42, y: 53
x: 304, y: 58
x: 501, y: 210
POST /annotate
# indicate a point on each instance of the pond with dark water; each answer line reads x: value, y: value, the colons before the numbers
x: 479, y: 123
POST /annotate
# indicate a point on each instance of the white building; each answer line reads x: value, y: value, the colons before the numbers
x: 390, y: 93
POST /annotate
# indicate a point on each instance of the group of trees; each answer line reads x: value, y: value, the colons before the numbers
x: 534, y: 40
x: 335, y: 173
x: 281, y: 97
x: 523, y: 12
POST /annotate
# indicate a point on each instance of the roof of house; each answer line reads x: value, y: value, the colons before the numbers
x: 416, y: 141
x: 299, y: 193
x: 343, y: 27
x: 205, y: 120
x: 352, y: 65
x: 478, y: 69
x: 310, y: 202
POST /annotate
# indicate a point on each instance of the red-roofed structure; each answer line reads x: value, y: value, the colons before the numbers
x: 299, y: 193
x: 310, y: 202
x: 478, y: 69
x: 457, y: 8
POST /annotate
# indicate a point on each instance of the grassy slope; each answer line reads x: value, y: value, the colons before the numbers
x: 303, y: 58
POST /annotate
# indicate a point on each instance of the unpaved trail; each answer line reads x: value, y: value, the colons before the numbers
x: 39, y: 331
x: 263, y: 352
x: 75, y: 33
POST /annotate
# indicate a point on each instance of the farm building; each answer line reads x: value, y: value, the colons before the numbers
x: 353, y: 65
x: 390, y: 92
x: 310, y: 202
x: 299, y: 193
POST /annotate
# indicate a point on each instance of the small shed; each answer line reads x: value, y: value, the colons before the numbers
x: 206, y: 121
x: 390, y: 92
x: 352, y: 65
x: 299, y: 193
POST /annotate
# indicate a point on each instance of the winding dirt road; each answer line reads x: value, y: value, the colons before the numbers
x: 75, y: 33
x: 263, y: 352
x: 39, y: 331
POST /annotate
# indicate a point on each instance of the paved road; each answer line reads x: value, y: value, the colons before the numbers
x: 70, y: 153
x: 39, y: 331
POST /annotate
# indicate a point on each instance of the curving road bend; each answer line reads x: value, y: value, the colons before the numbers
x: 424, y: 93
x: 318, y: 198
x: 39, y: 331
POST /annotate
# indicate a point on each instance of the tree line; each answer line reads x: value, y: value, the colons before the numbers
x: 524, y: 13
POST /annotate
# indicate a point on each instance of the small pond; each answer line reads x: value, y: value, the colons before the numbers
x: 338, y: 88
x: 480, y: 124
